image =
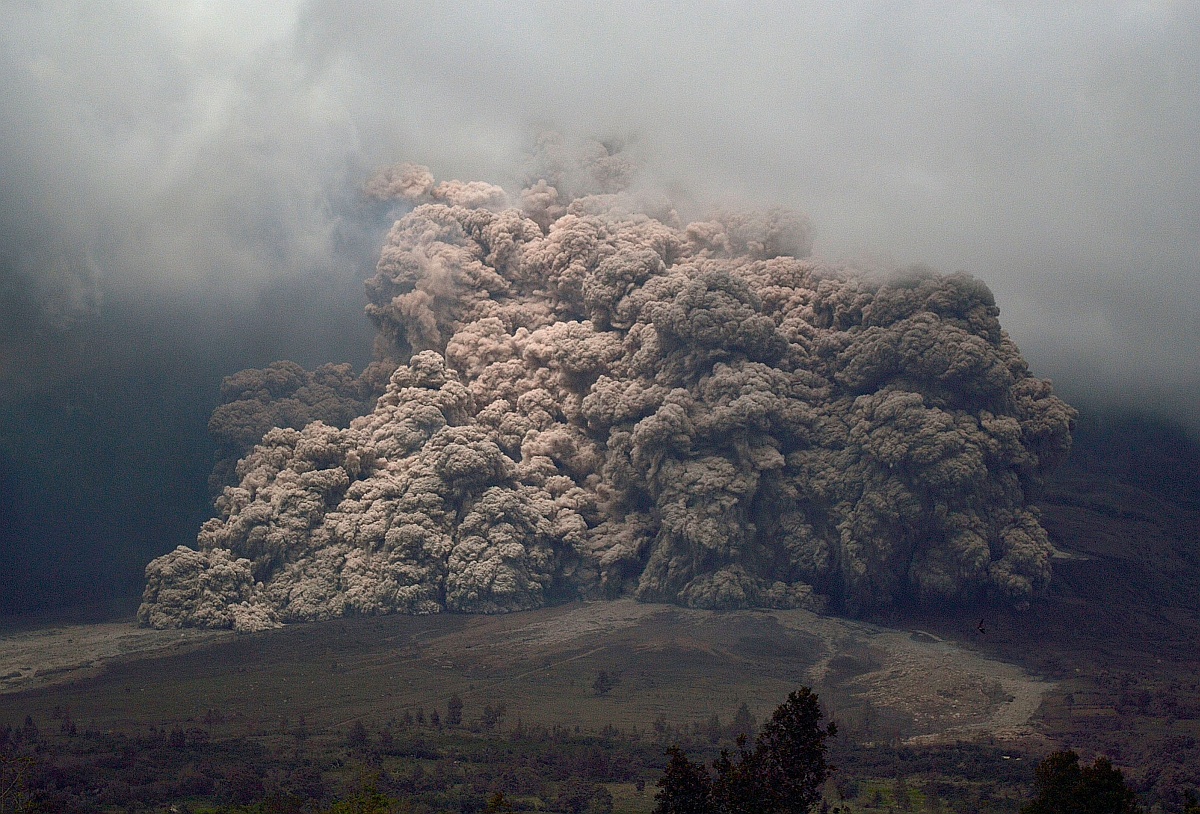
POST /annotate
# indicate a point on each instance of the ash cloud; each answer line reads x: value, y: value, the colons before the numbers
x: 200, y: 164
x: 218, y: 147
x: 596, y: 401
x: 165, y: 160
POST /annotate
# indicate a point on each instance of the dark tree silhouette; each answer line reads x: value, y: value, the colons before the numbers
x: 583, y: 797
x: 357, y: 737
x: 454, y: 710
x: 14, y: 773
x: 793, y: 745
x: 498, y: 804
x: 1062, y: 786
x: 783, y: 773
x: 603, y: 683
x: 684, y: 788
x: 743, y: 723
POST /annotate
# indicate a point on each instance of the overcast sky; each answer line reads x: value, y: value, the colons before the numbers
x: 206, y: 151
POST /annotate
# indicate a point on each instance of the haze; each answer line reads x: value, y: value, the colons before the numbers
x: 179, y: 193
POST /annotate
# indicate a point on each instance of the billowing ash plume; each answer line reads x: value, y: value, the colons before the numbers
x: 600, y: 400
x: 284, y: 394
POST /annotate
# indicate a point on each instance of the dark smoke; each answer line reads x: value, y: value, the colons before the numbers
x: 597, y: 399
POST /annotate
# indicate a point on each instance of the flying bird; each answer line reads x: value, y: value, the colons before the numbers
x: 980, y: 627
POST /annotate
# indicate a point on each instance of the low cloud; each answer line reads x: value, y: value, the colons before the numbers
x: 220, y: 146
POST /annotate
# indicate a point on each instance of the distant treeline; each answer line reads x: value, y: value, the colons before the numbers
x: 454, y: 759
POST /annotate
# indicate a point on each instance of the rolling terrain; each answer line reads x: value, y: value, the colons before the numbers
x: 665, y: 662
x: 1104, y: 664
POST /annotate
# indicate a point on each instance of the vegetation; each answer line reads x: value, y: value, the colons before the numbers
x: 784, y: 772
x: 408, y: 764
x: 1062, y: 786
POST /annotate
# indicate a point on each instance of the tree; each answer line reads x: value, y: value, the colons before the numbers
x: 178, y: 738
x: 788, y: 762
x: 743, y: 724
x: 712, y: 729
x: 492, y: 716
x: 368, y: 801
x: 684, y: 788
x: 498, y: 804
x: 454, y: 710
x: 784, y: 772
x: 603, y: 683
x: 357, y: 737
x: 1062, y: 786
x: 582, y: 797
x: 14, y: 773
x: 601, y: 802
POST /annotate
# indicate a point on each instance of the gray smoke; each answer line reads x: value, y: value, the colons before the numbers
x: 204, y: 160
x: 598, y: 399
x: 1048, y: 150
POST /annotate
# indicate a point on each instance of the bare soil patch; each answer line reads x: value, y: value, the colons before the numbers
x: 669, y: 662
x: 62, y: 654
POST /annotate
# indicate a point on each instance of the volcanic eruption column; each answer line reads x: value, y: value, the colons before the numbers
x: 597, y: 400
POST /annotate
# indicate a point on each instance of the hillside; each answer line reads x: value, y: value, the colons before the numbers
x: 1103, y: 664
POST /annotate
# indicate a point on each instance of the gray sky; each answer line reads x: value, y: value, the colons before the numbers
x: 211, y: 149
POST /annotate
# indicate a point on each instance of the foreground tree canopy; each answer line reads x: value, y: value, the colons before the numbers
x: 782, y: 774
x: 590, y: 398
x: 1062, y: 786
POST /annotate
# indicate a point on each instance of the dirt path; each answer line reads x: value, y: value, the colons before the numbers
x: 948, y: 690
